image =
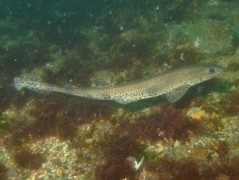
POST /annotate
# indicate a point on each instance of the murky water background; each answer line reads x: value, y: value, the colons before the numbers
x: 93, y: 43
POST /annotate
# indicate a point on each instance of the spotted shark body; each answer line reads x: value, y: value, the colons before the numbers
x: 173, y: 83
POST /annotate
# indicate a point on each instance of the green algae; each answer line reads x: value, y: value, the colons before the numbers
x: 223, y: 86
x: 3, y: 125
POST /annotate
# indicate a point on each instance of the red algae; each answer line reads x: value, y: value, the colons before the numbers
x: 29, y: 160
x: 169, y: 123
x: 222, y: 150
x: 217, y: 171
x: 166, y: 168
x: 162, y: 168
x: 188, y: 169
x: 116, y: 168
x: 162, y: 125
x: 116, y: 149
x: 3, y: 172
x: 55, y: 117
x: 230, y: 104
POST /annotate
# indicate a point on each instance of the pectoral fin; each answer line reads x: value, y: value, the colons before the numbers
x: 177, y: 93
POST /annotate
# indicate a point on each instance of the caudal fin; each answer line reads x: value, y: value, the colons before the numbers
x: 19, y: 83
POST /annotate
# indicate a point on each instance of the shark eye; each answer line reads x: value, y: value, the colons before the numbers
x: 211, y: 70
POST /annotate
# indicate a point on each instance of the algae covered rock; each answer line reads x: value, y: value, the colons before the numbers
x: 211, y: 37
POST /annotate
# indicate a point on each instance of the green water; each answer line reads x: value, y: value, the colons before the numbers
x: 92, y: 43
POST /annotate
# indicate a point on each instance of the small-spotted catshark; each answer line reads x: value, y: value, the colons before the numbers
x: 173, y: 83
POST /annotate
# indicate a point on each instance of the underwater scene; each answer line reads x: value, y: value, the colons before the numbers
x: 119, y: 90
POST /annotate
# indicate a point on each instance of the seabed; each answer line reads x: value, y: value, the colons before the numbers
x: 56, y: 136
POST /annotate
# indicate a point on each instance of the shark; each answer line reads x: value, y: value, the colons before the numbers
x: 172, y: 83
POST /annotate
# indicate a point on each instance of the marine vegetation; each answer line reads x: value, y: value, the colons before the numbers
x: 62, y: 46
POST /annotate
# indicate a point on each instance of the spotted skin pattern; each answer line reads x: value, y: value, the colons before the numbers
x: 167, y: 82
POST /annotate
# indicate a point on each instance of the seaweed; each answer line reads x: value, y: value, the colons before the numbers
x: 3, y: 171
x: 168, y: 123
x: 29, y: 160
x: 166, y: 168
x: 115, y: 149
x: 116, y: 168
